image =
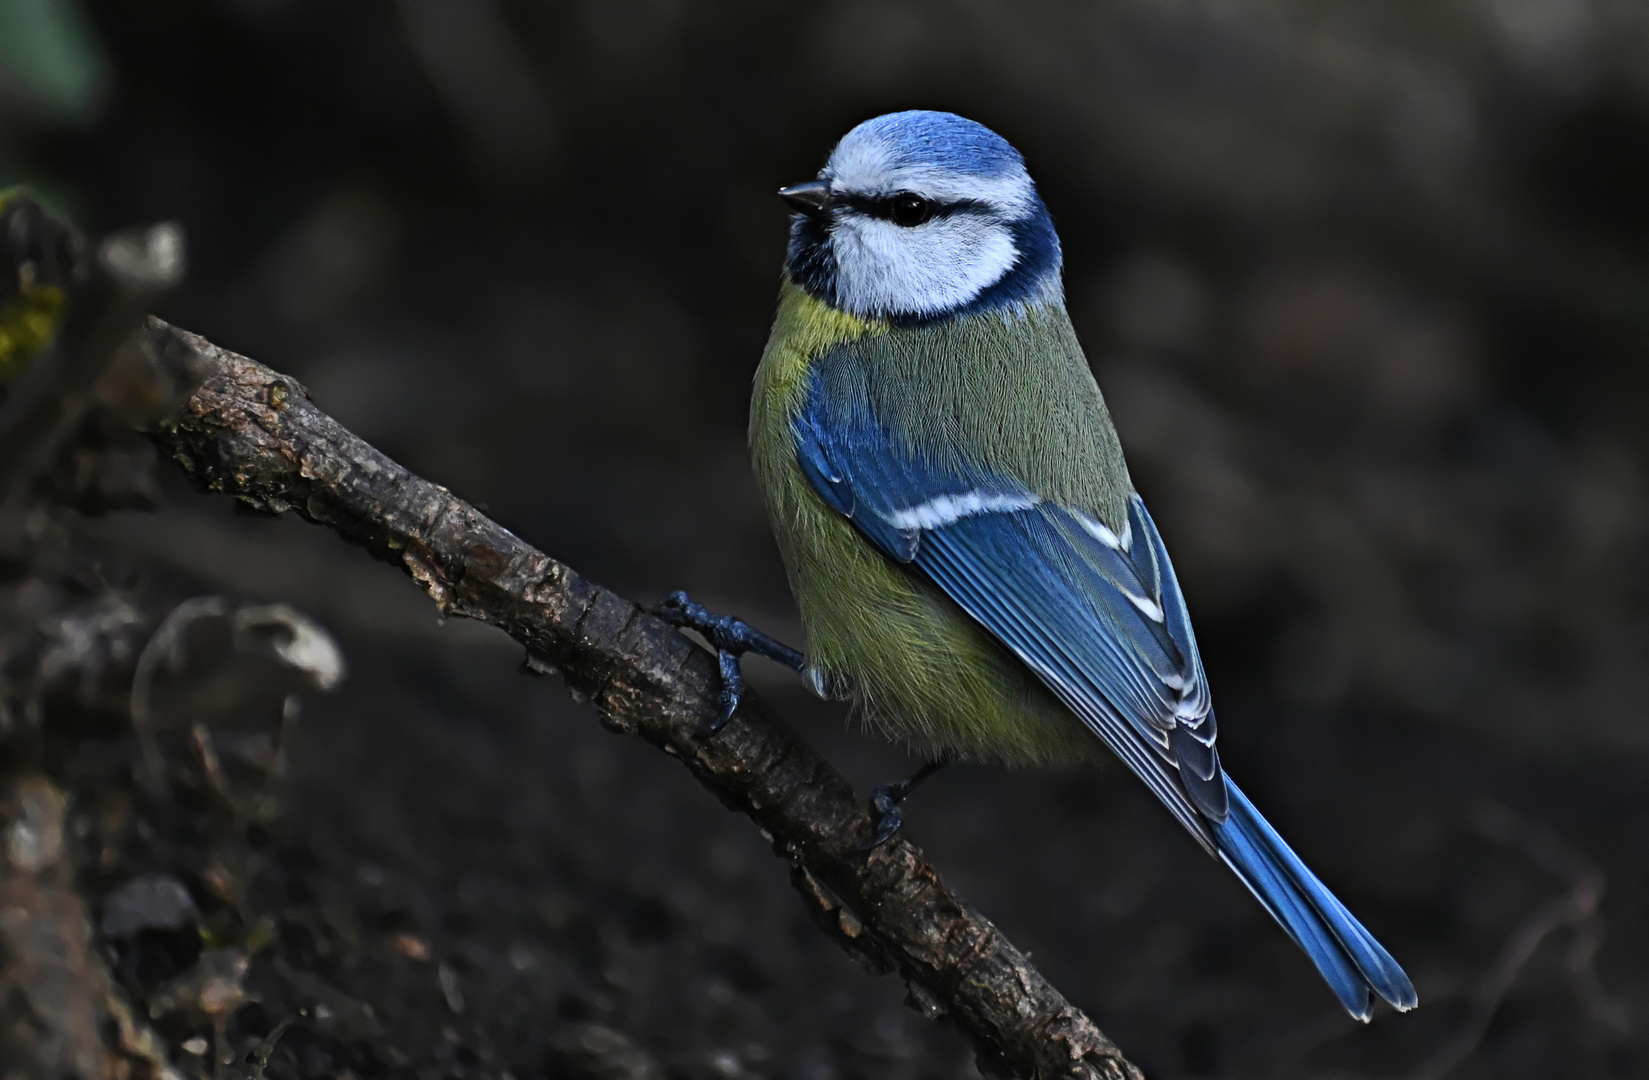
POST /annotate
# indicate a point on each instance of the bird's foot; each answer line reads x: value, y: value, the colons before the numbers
x: 731, y: 638
x: 888, y: 799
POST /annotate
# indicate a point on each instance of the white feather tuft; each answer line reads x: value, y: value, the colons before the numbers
x: 949, y: 509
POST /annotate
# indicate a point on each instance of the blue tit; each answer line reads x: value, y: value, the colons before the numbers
x: 973, y: 566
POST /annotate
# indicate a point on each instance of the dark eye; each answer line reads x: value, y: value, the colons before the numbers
x: 910, y: 210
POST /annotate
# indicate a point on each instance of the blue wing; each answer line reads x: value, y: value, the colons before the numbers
x: 1097, y: 614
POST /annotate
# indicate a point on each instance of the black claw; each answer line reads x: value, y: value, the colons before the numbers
x: 886, y: 830
x: 887, y: 800
x: 732, y: 690
x: 731, y: 638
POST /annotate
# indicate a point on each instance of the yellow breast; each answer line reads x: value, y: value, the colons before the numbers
x: 917, y: 667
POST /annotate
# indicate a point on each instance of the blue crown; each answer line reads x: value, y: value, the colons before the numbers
x: 942, y: 139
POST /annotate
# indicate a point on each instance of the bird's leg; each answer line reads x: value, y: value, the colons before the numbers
x: 731, y: 638
x: 887, y: 799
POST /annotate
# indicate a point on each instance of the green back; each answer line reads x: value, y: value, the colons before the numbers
x: 917, y: 667
x: 1007, y: 394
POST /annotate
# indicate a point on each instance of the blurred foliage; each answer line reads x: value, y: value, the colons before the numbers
x: 51, y: 63
x: 39, y: 258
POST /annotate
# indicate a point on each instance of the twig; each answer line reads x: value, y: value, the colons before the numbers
x: 164, y: 647
x: 1575, y: 910
x: 200, y: 739
x: 252, y: 433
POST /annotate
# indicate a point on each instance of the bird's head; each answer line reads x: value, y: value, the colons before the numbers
x: 922, y: 215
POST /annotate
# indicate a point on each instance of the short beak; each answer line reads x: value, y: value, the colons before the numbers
x: 809, y: 198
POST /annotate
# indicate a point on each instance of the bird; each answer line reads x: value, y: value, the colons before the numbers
x: 973, y: 566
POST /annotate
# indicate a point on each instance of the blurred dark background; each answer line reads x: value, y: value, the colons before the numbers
x: 1367, y: 287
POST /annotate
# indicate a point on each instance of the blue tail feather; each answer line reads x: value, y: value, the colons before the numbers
x: 1349, y: 958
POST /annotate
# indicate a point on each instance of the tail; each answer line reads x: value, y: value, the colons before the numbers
x: 1346, y: 954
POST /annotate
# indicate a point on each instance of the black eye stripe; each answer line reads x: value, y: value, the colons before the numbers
x: 881, y: 206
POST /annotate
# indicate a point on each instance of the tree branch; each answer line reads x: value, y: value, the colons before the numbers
x: 252, y: 433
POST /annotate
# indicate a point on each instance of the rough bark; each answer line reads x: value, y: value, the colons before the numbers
x: 252, y: 433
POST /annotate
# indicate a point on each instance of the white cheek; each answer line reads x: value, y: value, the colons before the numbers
x: 885, y: 268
